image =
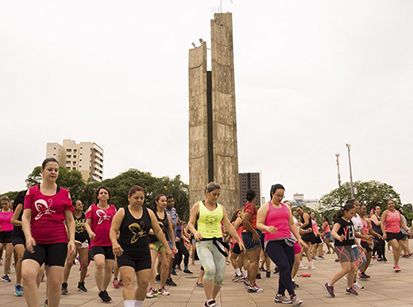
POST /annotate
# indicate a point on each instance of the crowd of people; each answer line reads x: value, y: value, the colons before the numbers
x: 140, y: 248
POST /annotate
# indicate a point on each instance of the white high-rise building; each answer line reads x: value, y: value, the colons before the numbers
x: 86, y: 157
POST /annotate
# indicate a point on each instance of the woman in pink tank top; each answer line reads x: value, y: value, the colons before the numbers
x: 275, y: 220
x: 391, y: 226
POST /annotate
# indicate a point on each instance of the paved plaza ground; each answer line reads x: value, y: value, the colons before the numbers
x: 385, y: 288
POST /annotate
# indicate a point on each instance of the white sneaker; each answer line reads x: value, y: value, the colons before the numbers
x: 163, y: 292
x: 282, y: 299
x: 296, y: 301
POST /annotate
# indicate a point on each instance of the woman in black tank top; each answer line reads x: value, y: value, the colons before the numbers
x: 18, y: 240
x: 82, y: 248
x: 307, y: 235
x: 157, y: 250
x: 132, y: 248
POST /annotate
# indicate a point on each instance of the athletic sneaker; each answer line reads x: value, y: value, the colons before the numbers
x: 81, y: 286
x: 6, y: 278
x: 104, y: 296
x: 396, y: 269
x: 258, y: 276
x: 151, y: 293
x: 170, y: 282
x: 18, y: 290
x: 254, y: 289
x: 329, y: 289
x: 268, y: 274
x: 115, y: 284
x: 296, y: 301
x: 364, y: 276
x: 162, y: 291
x: 64, y: 289
x: 188, y: 271
x: 351, y: 291
x: 282, y: 299
x: 210, y: 303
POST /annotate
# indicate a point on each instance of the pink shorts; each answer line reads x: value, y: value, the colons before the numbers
x: 297, y: 248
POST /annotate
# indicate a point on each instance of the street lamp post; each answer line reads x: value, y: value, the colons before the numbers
x: 351, y: 173
x: 338, y: 169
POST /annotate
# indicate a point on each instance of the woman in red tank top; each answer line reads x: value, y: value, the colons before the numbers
x: 275, y: 220
x: 391, y: 225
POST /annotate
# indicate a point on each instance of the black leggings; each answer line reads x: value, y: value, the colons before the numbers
x: 182, y: 251
x: 380, y: 248
x: 283, y: 257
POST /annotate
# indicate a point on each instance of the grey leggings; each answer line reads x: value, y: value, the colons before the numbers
x: 212, y: 261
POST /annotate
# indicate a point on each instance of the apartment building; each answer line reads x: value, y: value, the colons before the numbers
x: 249, y: 181
x: 86, y: 157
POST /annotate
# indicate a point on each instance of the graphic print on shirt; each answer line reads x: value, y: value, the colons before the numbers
x: 349, y: 232
x: 43, y: 208
x: 102, y: 216
x: 80, y: 225
x: 211, y: 220
x: 138, y: 232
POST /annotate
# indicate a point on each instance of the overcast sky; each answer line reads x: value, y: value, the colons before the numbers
x: 311, y: 76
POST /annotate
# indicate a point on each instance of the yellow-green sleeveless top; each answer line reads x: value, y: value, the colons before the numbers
x: 209, y: 222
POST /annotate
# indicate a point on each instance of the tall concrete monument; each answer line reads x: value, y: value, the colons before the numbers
x: 213, y: 148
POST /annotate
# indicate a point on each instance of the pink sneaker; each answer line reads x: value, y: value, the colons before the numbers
x: 396, y: 268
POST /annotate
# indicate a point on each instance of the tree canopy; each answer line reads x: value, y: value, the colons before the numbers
x: 119, y: 187
x: 371, y: 193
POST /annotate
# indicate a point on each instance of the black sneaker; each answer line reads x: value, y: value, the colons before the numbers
x: 64, y: 288
x: 188, y: 271
x: 104, y: 296
x: 268, y: 274
x: 6, y: 278
x: 81, y: 286
x: 329, y: 289
x: 158, y: 277
x: 170, y: 282
x: 258, y: 276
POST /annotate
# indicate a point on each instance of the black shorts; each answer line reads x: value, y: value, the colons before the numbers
x: 49, y: 254
x: 138, y: 259
x: 394, y: 236
x: 366, y: 246
x: 236, y: 249
x: 318, y: 240
x: 17, y: 237
x: 248, y: 242
x: 309, y: 238
x: 5, y: 236
x: 103, y: 250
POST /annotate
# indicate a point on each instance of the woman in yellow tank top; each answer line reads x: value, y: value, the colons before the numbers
x: 209, y: 215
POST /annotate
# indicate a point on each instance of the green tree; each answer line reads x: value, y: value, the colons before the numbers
x: 120, y: 185
x: 371, y: 193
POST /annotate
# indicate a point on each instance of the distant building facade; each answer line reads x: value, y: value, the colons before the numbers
x: 299, y: 200
x: 86, y: 157
x: 249, y: 181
